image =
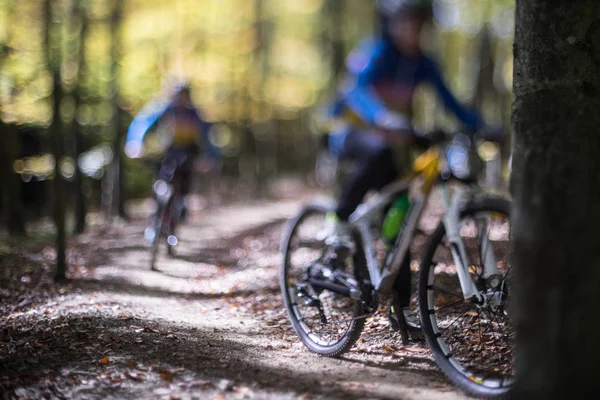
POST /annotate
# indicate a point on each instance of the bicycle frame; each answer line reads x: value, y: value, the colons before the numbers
x: 427, y: 167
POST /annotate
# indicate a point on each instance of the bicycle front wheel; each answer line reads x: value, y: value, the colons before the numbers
x: 471, y: 340
x: 326, y: 322
x: 161, y: 225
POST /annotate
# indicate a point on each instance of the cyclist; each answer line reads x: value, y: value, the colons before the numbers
x: 382, y: 75
x: 184, y: 132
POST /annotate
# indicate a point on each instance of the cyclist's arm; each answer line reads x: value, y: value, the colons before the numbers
x: 141, y: 124
x: 362, y: 63
x: 470, y: 118
x: 206, y: 144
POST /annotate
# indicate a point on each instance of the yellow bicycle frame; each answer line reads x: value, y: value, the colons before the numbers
x: 427, y: 165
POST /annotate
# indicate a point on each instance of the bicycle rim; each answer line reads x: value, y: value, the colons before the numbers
x: 326, y: 322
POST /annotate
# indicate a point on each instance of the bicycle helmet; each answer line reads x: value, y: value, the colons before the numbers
x: 405, y: 8
x: 183, y: 88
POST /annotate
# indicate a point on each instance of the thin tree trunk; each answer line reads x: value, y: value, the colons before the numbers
x: 80, y: 20
x: 58, y: 147
x: 12, y: 200
x: 117, y: 172
x: 486, y: 95
x: 484, y: 89
x: 60, y: 198
x: 80, y: 200
x: 556, y: 187
x: 266, y: 160
x: 338, y: 53
x: 12, y: 204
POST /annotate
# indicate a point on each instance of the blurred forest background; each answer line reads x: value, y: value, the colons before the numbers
x: 73, y: 73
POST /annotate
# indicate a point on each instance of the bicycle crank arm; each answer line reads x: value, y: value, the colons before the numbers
x: 335, y: 288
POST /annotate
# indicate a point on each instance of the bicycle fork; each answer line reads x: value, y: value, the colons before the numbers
x: 452, y: 224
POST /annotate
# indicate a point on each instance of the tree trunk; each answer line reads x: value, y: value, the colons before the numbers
x: 116, y: 170
x: 60, y: 198
x: 485, y: 96
x: 556, y: 188
x: 264, y: 139
x: 57, y: 145
x: 338, y: 52
x: 80, y: 20
x: 80, y: 200
x: 12, y: 204
x: 484, y: 89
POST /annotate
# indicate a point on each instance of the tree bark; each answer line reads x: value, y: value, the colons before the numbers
x: 60, y: 198
x: 116, y: 170
x: 12, y: 200
x: 79, y: 19
x: 336, y: 34
x: 556, y: 189
x: 58, y: 147
x: 12, y: 204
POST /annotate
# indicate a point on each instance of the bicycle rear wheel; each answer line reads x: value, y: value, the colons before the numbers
x: 326, y: 322
x: 471, y: 341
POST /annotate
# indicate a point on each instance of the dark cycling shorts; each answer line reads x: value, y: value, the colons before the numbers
x: 178, y: 162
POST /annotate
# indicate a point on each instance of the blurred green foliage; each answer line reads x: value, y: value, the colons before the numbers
x: 249, y: 61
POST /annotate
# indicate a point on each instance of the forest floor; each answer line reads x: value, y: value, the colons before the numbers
x: 210, y: 324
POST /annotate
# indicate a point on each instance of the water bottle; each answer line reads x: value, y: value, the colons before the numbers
x: 394, y: 218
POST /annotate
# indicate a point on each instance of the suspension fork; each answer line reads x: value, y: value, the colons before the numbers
x: 488, y: 258
x: 451, y: 222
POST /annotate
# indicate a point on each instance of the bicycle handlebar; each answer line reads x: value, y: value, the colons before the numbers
x: 440, y: 136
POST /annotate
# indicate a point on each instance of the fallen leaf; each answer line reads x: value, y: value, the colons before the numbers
x: 166, y: 376
x: 134, y: 376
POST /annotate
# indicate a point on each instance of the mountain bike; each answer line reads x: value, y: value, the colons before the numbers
x: 464, y: 273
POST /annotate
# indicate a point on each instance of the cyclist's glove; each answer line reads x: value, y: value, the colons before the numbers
x: 426, y: 140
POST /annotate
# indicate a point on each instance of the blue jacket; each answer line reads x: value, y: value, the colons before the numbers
x: 188, y: 127
x: 382, y: 79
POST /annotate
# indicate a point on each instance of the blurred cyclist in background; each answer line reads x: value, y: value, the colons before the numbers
x: 184, y: 135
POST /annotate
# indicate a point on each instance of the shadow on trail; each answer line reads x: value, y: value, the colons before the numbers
x: 115, y: 285
x: 111, y: 247
x: 400, y: 364
x: 70, y: 346
x: 223, y: 251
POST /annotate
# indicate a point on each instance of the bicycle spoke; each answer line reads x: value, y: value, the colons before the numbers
x: 449, y: 305
x: 457, y: 318
x: 449, y: 293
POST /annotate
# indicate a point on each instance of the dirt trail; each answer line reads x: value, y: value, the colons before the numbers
x: 210, y: 324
